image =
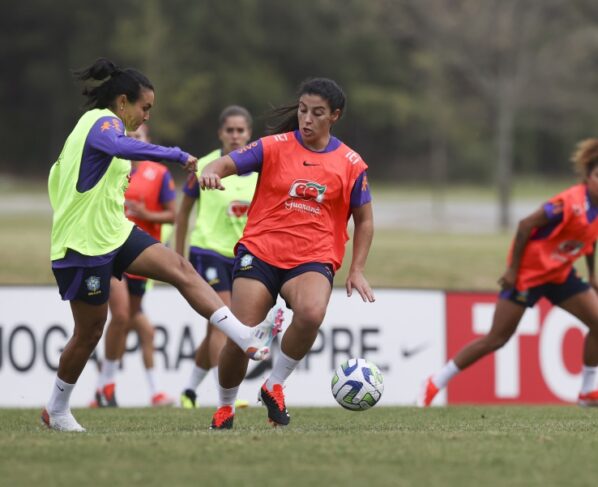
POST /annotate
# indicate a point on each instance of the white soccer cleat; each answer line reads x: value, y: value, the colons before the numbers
x: 264, y: 333
x: 61, y: 422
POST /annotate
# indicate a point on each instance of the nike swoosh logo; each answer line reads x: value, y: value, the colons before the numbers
x: 60, y: 388
x: 410, y: 352
x: 222, y: 319
x: 305, y: 163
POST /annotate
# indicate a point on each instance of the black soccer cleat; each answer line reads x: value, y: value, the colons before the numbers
x: 274, y: 401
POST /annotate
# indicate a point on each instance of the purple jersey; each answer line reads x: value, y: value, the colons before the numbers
x: 106, y: 140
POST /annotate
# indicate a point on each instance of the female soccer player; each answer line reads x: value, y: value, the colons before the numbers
x: 310, y: 184
x: 221, y: 217
x: 92, y: 239
x: 150, y: 201
x: 546, y: 244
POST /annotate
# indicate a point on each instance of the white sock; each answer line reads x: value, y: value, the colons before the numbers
x: 283, y: 367
x: 59, y: 400
x: 150, y: 374
x: 224, y: 320
x: 588, y: 377
x: 108, y: 372
x: 227, y: 397
x: 444, y: 375
x: 197, y: 375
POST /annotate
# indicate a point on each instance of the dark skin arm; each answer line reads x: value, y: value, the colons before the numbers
x: 182, y: 223
x: 537, y: 219
x: 590, y: 259
x: 137, y: 209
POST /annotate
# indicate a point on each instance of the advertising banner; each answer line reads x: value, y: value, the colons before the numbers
x: 403, y: 332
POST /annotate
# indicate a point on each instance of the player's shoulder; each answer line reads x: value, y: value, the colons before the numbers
x: 573, y: 192
x: 109, y: 123
x: 351, y: 157
x: 278, y: 139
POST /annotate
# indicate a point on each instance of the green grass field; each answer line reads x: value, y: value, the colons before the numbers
x: 455, y: 446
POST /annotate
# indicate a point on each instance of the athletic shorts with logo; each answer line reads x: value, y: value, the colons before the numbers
x: 91, y: 284
x: 216, y: 269
x: 252, y: 267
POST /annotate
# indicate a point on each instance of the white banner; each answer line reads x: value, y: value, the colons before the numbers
x: 403, y: 332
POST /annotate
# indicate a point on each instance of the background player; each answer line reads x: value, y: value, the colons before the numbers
x: 310, y: 184
x: 545, y: 247
x: 150, y: 201
x: 219, y: 223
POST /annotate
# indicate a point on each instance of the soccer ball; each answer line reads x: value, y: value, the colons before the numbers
x: 357, y: 384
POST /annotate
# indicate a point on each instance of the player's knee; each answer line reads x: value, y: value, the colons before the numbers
x: 309, y: 317
x: 183, y: 272
x: 90, y: 337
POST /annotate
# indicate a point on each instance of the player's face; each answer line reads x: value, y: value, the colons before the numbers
x: 315, y: 119
x: 592, y: 182
x: 234, y: 133
x: 134, y: 114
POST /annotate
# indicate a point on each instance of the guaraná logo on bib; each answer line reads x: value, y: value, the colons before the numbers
x: 307, y: 190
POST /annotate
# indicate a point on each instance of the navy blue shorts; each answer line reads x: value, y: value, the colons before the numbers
x: 136, y: 285
x: 216, y: 269
x: 92, y: 284
x: 555, y: 293
x: 250, y: 266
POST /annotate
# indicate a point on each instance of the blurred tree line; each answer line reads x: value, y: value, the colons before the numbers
x: 438, y: 90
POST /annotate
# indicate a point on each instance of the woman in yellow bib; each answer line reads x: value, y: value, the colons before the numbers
x: 93, y: 240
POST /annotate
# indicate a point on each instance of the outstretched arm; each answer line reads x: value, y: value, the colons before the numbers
x: 362, y: 240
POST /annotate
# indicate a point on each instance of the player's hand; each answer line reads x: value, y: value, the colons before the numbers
x: 210, y: 181
x: 191, y: 164
x: 136, y: 209
x: 508, y: 279
x: 356, y: 280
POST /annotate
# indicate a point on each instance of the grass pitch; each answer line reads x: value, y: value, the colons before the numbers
x: 461, y: 446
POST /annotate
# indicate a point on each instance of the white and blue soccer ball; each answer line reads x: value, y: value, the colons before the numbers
x: 357, y: 384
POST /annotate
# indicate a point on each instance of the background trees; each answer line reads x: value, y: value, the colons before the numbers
x: 440, y: 90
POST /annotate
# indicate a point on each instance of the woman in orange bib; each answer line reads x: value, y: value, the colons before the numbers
x: 310, y: 183
x: 546, y: 245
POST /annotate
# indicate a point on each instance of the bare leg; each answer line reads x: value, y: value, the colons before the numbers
x: 116, y: 333
x: 584, y: 306
x: 89, y: 324
x: 145, y: 330
x: 506, y: 318
x: 308, y: 295
x: 250, y: 302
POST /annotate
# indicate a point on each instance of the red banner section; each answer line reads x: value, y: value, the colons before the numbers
x: 540, y: 364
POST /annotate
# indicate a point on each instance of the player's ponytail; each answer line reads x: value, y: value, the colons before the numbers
x: 285, y: 117
x: 585, y: 157
x: 103, y: 81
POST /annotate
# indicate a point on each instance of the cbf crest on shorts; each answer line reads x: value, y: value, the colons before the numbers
x: 93, y: 285
x: 246, y: 262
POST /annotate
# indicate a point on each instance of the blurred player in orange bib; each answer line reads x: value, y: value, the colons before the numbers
x: 546, y: 245
x: 150, y: 201
x: 310, y: 184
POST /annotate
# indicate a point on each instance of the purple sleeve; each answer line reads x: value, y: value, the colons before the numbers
x: 191, y: 187
x: 167, y: 191
x: 108, y: 136
x: 554, y: 212
x: 249, y: 158
x: 360, y: 194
